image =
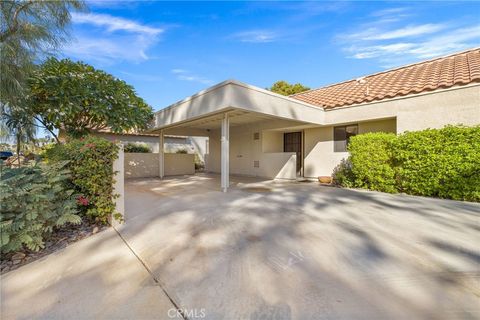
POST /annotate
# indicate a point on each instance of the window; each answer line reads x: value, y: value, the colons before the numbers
x: 341, y: 136
x: 256, y: 136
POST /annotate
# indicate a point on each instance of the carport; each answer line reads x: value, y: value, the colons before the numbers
x: 248, y: 111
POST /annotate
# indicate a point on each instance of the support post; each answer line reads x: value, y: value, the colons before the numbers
x: 225, y: 157
x: 161, y: 156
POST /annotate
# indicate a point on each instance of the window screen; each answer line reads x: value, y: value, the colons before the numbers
x: 341, y: 136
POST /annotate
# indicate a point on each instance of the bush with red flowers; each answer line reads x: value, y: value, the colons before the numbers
x: 91, y: 164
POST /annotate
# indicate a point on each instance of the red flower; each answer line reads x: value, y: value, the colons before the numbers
x: 81, y: 200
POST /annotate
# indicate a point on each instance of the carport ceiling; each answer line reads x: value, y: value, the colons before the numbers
x: 237, y: 118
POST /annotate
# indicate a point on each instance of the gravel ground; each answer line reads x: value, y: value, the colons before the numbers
x: 59, y: 239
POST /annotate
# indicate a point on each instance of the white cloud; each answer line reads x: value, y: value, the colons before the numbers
x: 185, y: 75
x: 389, y: 12
x: 113, y: 23
x: 255, y: 36
x: 409, y: 31
x: 441, y: 44
x: 392, y: 44
x: 108, y: 39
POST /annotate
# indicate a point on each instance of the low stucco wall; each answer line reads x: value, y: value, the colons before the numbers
x: 278, y: 165
x: 178, y: 164
x: 141, y: 165
x: 145, y: 165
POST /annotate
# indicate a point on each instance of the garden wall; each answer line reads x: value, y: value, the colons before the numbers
x: 179, y: 163
x: 145, y: 165
x: 141, y: 165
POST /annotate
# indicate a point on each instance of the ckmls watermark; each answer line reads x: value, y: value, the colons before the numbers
x: 187, y: 313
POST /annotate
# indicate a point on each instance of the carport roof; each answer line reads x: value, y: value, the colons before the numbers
x: 236, y: 96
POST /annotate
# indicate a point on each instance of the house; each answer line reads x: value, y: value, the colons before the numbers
x: 255, y: 132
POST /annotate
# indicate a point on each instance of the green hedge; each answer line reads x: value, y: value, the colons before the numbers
x: 91, y: 163
x: 441, y: 163
x: 137, y: 148
x: 34, y: 199
x: 373, y: 152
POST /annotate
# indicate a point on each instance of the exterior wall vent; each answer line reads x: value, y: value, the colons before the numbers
x: 256, y: 163
x: 256, y: 136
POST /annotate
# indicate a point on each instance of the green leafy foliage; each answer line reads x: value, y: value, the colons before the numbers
x: 91, y: 163
x: 286, y: 89
x: 370, y: 157
x: 28, y: 31
x: 34, y: 200
x: 137, y: 148
x: 343, y: 175
x: 76, y: 97
x: 441, y: 163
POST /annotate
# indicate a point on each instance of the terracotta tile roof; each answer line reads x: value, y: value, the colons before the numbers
x: 457, y: 69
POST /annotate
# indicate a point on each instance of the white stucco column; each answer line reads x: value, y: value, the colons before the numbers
x: 161, y: 157
x: 225, y: 157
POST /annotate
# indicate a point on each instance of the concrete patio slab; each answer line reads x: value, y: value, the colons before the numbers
x: 95, y: 278
x: 269, y: 250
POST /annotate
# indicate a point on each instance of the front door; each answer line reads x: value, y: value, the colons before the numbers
x: 292, y: 142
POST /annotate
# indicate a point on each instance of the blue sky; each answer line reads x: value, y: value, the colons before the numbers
x: 170, y: 50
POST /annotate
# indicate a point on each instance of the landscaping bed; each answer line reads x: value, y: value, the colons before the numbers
x: 58, y: 239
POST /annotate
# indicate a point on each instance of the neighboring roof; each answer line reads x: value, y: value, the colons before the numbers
x: 138, y: 134
x: 126, y: 133
x: 456, y: 69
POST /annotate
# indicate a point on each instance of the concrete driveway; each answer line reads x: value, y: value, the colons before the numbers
x: 263, y: 250
x: 268, y: 250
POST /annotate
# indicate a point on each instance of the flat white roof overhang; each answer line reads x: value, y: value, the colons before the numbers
x: 244, y: 103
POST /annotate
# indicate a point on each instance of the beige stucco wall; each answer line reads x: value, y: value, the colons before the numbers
x: 178, y: 164
x: 319, y: 157
x: 144, y: 165
x: 141, y: 165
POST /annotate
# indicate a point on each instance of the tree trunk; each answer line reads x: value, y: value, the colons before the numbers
x: 18, y: 148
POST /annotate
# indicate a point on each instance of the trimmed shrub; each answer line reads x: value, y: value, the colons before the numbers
x: 91, y: 163
x: 441, y: 163
x: 371, y: 161
x: 136, y: 148
x: 34, y: 199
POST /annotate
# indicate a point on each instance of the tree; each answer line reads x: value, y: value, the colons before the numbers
x: 28, y: 31
x: 78, y: 98
x: 286, y: 89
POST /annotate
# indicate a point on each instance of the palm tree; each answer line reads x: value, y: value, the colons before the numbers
x: 30, y: 30
x: 19, y: 125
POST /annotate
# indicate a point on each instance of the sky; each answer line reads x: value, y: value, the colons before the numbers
x: 171, y: 50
